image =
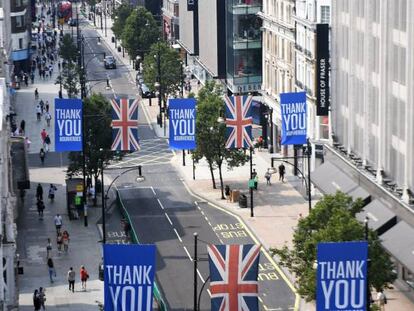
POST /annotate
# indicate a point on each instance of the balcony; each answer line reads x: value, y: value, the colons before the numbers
x: 298, y: 47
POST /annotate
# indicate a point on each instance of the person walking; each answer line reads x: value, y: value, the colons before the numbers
x: 36, y: 300
x: 27, y: 142
x: 42, y: 156
x: 38, y: 112
x: 267, y: 177
x: 23, y: 126
x: 58, y: 223
x: 52, y: 190
x: 47, y: 143
x: 47, y: 106
x: 43, y: 135
x: 84, y: 276
x: 42, y: 297
x: 51, y: 268
x: 42, y: 105
x: 66, y: 239
x: 48, y: 117
x: 71, y: 279
x: 36, y: 93
x: 40, y: 208
x: 281, y: 169
x: 48, y: 249
x: 39, y: 192
x: 381, y: 300
x: 255, y: 178
x: 59, y: 242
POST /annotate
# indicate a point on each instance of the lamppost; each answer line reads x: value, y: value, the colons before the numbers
x: 368, y: 291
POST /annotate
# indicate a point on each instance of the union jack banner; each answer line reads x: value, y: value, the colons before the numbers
x: 239, y: 122
x: 124, y: 124
x: 233, y: 277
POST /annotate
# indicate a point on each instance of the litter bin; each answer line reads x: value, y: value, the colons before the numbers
x: 243, y: 201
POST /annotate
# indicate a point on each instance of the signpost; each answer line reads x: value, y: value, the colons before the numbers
x: 342, y: 276
x: 182, y: 113
x: 293, y: 109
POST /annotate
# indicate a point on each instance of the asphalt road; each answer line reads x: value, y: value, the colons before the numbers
x: 164, y: 213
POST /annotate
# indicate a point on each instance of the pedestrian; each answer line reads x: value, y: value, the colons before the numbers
x: 40, y: 208
x: 59, y: 242
x: 255, y: 179
x: 27, y: 142
x: 268, y: 176
x: 59, y: 65
x: 38, y: 112
x: 42, y: 105
x: 42, y: 297
x: 42, y: 156
x: 71, y: 279
x: 48, y: 249
x: 66, y: 239
x: 48, y: 117
x: 26, y: 79
x: 84, y: 276
x: 36, y: 92
x: 51, y: 268
x: 260, y: 143
x: 58, y: 223
x: 36, y: 300
x: 47, y: 143
x: 23, y: 126
x: 52, y: 189
x: 281, y: 169
x: 381, y: 300
x: 32, y: 77
x: 43, y: 135
x: 39, y: 192
x: 47, y: 106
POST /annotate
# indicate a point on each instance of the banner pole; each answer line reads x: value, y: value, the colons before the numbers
x: 195, y: 271
x: 251, y: 178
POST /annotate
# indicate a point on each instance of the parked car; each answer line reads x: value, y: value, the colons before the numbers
x: 146, y: 92
x: 109, y: 62
x: 139, y: 79
x: 73, y: 22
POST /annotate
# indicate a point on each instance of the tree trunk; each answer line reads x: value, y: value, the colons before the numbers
x: 210, y: 165
x: 221, y: 181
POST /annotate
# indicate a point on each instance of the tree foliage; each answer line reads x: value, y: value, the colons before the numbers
x: 69, y: 77
x: 332, y: 220
x: 140, y: 32
x: 68, y: 51
x: 210, y: 134
x: 98, y: 134
x: 170, y: 70
x: 120, y: 16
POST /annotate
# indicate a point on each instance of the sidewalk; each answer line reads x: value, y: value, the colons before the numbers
x: 84, y: 246
x: 277, y: 208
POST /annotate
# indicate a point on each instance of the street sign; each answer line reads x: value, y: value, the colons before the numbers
x: 182, y: 113
x: 293, y: 109
x: 68, y: 124
x: 342, y: 276
x: 251, y: 183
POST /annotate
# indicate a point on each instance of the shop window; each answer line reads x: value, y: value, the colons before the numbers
x: 324, y: 127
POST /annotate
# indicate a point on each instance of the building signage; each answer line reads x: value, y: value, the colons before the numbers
x: 68, y: 124
x: 182, y: 113
x: 322, y: 69
x: 342, y: 276
x: 129, y: 277
x: 293, y: 112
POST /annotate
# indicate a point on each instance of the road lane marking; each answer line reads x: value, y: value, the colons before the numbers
x: 168, y: 218
x: 153, y: 191
x: 159, y: 202
x: 201, y: 277
x: 188, y: 254
x: 256, y: 241
x: 176, y: 233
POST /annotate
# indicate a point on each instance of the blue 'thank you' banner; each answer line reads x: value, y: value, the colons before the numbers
x: 182, y: 123
x: 293, y: 110
x: 68, y: 124
x: 129, y: 277
x: 342, y: 276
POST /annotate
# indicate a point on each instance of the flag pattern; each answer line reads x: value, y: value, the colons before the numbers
x: 124, y: 124
x: 233, y: 277
x: 238, y: 122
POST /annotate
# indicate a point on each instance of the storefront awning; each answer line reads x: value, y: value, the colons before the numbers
x: 380, y: 218
x: 399, y: 242
x: 330, y: 179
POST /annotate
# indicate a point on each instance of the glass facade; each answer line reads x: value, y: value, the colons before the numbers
x: 244, y: 47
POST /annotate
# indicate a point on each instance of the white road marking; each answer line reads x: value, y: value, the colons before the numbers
x: 153, y: 191
x: 168, y: 218
x: 159, y: 202
x: 178, y: 236
x: 188, y: 254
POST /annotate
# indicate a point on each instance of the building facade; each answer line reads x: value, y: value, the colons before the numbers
x: 373, y: 85
x: 278, y: 61
x: 170, y: 17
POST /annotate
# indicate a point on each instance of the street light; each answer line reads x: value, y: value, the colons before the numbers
x: 368, y: 292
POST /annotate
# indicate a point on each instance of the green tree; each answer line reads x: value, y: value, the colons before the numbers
x: 120, y: 16
x: 140, y: 32
x: 98, y: 134
x: 170, y: 71
x: 332, y: 220
x: 69, y: 77
x: 67, y: 49
x: 210, y: 134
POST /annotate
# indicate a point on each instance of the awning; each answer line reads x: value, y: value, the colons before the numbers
x: 20, y: 55
x: 330, y: 179
x: 399, y: 242
x: 380, y: 218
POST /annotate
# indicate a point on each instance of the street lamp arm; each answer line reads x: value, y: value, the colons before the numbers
x: 122, y: 173
x: 201, y: 291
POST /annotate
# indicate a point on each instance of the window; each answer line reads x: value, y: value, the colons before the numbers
x: 19, y: 21
x: 400, y: 14
x: 20, y: 44
x: 325, y: 14
x: 399, y: 64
